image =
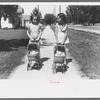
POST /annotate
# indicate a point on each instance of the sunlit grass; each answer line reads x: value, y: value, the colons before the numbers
x: 85, y: 48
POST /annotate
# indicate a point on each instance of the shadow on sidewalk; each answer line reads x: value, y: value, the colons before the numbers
x: 68, y: 60
x: 66, y: 66
x: 44, y: 59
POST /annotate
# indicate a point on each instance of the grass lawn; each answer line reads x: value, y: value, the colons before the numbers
x: 13, y: 34
x: 12, y: 49
x: 85, y: 48
x: 10, y: 60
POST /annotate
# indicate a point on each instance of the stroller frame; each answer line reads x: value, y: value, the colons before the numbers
x: 59, y: 59
x: 34, y: 46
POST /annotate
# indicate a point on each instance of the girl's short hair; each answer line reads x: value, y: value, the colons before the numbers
x: 37, y: 18
x: 63, y: 18
x: 31, y: 19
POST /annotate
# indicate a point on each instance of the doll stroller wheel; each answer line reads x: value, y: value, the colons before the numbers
x: 54, y: 68
x: 56, y: 71
x: 64, y: 68
x: 28, y: 67
x: 39, y: 65
x: 63, y: 71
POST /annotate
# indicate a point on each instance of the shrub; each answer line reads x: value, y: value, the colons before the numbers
x: 49, y: 19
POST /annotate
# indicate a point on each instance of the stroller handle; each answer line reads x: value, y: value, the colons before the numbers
x: 35, y: 41
x: 60, y: 44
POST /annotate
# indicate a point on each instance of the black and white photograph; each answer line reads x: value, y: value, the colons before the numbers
x: 50, y: 41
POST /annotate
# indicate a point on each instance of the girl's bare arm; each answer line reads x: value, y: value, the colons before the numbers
x: 41, y: 28
x: 28, y: 33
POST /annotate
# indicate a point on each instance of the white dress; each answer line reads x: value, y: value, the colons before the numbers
x: 61, y: 35
x: 34, y: 30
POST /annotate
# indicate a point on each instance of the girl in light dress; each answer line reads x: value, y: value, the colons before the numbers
x: 34, y: 30
x: 34, y: 33
x: 61, y: 28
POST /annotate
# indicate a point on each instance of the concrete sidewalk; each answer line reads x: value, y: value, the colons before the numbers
x: 92, y: 29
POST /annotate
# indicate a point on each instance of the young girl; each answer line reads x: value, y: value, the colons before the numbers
x: 61, y: 29
x: 34, y: 33
x: 34, y: 30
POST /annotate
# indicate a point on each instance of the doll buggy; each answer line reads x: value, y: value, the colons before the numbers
x: 33, y: 56
x: 59, y: 59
